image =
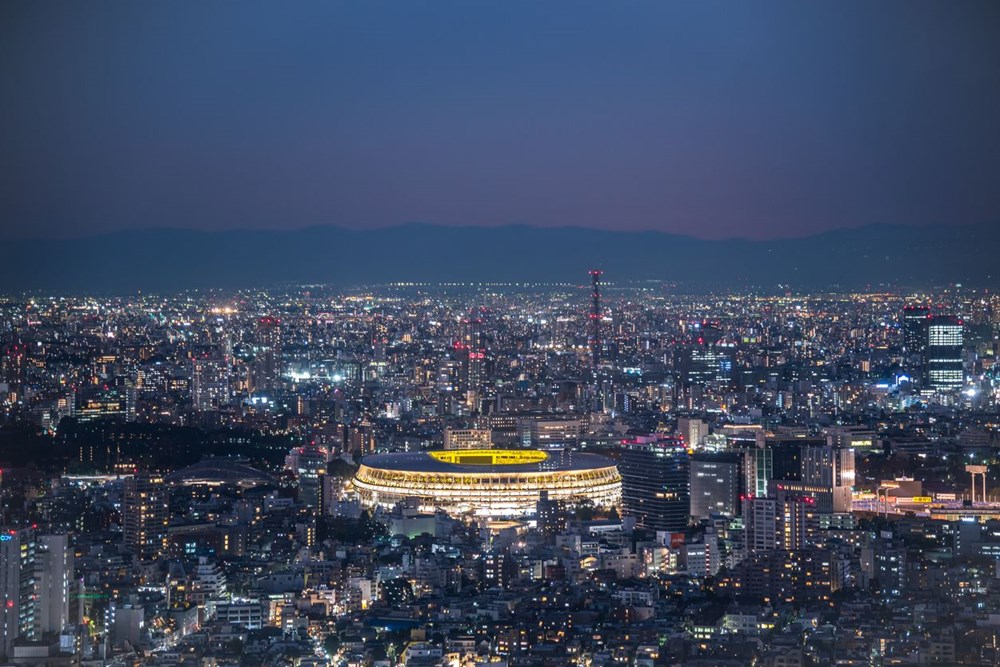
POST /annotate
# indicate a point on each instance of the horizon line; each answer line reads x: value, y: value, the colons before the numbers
x: 486, y: 226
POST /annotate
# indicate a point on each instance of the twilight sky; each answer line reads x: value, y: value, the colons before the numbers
x: 717, y: 119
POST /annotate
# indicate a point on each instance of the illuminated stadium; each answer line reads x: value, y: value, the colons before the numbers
x: 489, y: 482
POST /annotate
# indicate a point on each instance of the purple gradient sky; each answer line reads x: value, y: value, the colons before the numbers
x: 715, y: 119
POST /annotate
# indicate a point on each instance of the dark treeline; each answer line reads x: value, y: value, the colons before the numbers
x: 99, y: 446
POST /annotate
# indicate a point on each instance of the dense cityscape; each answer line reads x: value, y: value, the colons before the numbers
x: 503, y: 333
x: 583, y: 473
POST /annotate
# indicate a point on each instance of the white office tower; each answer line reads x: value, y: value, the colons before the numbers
x: 17, y: 605
x: 36, y: 574
x: 53, y: 581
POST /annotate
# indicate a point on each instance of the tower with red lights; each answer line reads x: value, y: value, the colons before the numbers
x: 473, y: 356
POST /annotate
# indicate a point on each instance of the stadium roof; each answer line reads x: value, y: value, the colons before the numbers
x: 220, y: 470
x: 436, y: 462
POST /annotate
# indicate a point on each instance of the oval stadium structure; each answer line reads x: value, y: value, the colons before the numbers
x: 488, y: 482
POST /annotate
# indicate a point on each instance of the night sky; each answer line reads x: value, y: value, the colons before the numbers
x: 758, y: 120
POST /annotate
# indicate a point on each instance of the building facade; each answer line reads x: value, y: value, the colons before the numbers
x: 656, y: 485
x: 145, y: 512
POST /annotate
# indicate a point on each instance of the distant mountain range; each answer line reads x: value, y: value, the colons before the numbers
x: 167, y: 260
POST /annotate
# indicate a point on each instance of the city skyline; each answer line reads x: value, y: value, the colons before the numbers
x: 435, y: 333
x: 587, y: 474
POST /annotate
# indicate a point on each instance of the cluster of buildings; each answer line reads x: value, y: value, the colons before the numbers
x: 467, y: 474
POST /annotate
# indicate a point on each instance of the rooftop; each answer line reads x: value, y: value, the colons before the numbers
x: 487, y: 461
x: 220, y: 470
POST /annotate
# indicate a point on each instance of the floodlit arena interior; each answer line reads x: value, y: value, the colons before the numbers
x: 487, y: 482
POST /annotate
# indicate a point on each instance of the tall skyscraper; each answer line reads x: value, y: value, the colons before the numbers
x: 268, y: 358
x: 656, y: 485
x: 145, y: 513
x: 943, y: 363
x: 36, y: 574
x: 473, y: 358
x: 54, y: 581
x: 310, y: 468
x: 17, y: 587
x: 379, y: 335
x: 915, y: 320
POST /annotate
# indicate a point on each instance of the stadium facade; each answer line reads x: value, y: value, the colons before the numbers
x: 491, y: 482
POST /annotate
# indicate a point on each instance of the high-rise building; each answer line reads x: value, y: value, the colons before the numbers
x: 830, y: 500
x: 826, y: 474
x: 310, y: 468
x: 656, y: 484
x: 268, y: 357
x: 17, y: 587
x: 787, y: 454
x: 209, y: 582
x: 827, y: 465
x: 209, y: 381
x: 915, y: 320
x: 53, y: 583
x: 796, y: 521
x: 785, y: 575
x: 145, y: 513
x: 758, y: 467
x: 787, y: 522
x: 760, y: 524
x: 379, y: 336
x: 36, y: 574
x: 943, y: 363
x: 13, y: 362
x: 715, y: 484
x: 473, y: 358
